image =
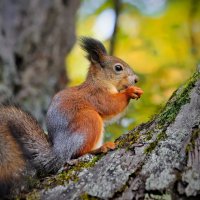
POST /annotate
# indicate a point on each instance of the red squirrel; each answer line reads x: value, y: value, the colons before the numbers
x: 75, y: 118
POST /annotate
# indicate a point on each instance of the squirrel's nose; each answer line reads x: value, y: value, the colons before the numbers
x: 136, y: 79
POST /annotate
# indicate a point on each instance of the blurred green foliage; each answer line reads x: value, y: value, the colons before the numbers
x: 162, y: 46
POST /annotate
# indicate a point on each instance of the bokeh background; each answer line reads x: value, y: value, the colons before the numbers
x: 39, y: 53
x: 160, y: 39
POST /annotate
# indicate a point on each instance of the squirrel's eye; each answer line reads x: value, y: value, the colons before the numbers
x: 118, y: 68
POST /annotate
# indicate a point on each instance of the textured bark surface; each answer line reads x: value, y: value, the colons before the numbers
x: 35, y: 37
x: 157, y: 160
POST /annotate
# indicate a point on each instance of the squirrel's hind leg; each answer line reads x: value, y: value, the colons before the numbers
x: 90, y: 127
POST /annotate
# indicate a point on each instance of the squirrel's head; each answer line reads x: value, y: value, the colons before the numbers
x: 107, y: 69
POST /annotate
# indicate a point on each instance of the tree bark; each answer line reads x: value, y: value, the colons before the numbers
x: 159, y: 159
x: 35, y: 37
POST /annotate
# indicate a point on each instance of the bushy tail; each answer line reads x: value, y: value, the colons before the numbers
x: 22, y: 139
x: 12, y: 161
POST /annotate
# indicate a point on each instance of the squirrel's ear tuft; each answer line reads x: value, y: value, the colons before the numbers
x: 94, y: 48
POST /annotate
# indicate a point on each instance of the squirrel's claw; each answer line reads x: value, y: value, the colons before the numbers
x: 134, y: 92
x: 104, y: 148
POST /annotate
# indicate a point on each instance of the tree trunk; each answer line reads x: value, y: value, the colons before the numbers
x: 157, y: 160
x: 35, y: 37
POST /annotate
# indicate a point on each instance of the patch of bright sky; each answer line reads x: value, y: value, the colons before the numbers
x: 104, y: 25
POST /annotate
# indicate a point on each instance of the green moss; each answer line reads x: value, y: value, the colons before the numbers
x: 86, y: 196
x: 149, y: 134
x: 32, y: 182
x: 152, y: 145
x: 128, y: 139
x: 33, y: 196
x: 70, y: 175
x: 61, y: 179
x: 29, y: 183
x: 178, y: 99
x: 170, y: 111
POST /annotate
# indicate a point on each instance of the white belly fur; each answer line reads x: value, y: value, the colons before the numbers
x: 100, y: 141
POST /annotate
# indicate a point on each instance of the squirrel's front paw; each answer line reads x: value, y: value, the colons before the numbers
x: 134, y: 92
